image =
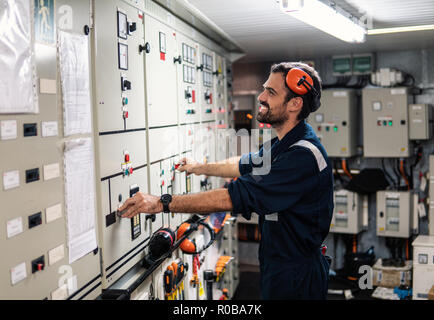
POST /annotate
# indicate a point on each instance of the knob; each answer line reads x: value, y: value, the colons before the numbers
x: 216, y: 73
x: 146, y: 47
x: 150, y: 216
x: 179, y: 60
x: 127, y: 85
x: 187, y: 95
x: 86, y: 29
x: 200, y: 67
x: 133, y: 27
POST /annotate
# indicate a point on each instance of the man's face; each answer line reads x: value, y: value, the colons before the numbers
x: 273, y: 108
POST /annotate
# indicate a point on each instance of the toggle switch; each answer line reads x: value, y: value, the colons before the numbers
x: 125, y: 84
x: 38, y: 264
x: 35, y: 220
x: 132, y: 27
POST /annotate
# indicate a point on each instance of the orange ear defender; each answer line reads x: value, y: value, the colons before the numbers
x: 189, y: 246
x: 299, y: 81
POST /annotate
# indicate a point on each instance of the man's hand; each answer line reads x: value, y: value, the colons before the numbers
x: 141, y: 203
x: 189, y: 166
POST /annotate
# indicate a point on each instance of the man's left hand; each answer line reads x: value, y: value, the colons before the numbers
x: 141, y: 203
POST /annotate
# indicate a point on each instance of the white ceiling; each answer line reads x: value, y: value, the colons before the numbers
x: 266, y: 34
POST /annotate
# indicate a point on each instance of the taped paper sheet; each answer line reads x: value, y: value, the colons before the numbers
x: 74, y: 76
x: 80, y: 197
x: 18, y: 80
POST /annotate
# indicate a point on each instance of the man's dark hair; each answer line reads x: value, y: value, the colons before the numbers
x: 308, y: 98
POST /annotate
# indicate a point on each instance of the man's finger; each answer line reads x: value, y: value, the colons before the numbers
x: 130, y: 212
x: 127, y: 203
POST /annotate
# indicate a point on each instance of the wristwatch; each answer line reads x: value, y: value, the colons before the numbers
x: 165, y: 200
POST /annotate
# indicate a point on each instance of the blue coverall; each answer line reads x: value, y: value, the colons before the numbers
x: 294, y: 202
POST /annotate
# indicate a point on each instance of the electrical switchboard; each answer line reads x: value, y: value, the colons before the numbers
x: 335, y: 123
x: 419, y: 117
x: 347, y: 215
x: 423, y: 266
x: 39, y: 260
x: 394, y: 213
x: 121, y: 132
x: 385, y: 122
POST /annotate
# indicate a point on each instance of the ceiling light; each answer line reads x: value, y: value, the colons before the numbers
x: 401, y: 29
x: 331, y: 20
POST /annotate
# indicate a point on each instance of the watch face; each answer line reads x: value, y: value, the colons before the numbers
x: 166, y: 198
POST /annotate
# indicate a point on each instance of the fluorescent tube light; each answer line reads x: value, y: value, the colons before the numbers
x: 321, y: 16
x: 401, y: 29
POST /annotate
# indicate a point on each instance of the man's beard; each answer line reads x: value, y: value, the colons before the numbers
x: 270, y: 118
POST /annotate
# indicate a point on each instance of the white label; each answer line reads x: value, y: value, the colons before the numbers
x: 60, y: 293
x: 8, y: 129
x: 423, y: 183
x: 376, y: 105
x: 397, y: 91
x: 338, y: 94
x: 53, y: 213
x: 56, y: 254
x: 18, y: 273
x: 51, y: 171
x: 50, y: 129
x: 392, y: 195
x: 72, y: 285
x: 14, y: 227
x: 421, y: 210
x: 47, y: 86
x: 11, y: 179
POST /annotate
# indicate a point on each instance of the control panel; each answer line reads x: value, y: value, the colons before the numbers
x: 385, y: 122
x: 394, y: 213
x: 335, y: 123
x: 423, y: 266
x: 347, y: 215
x: 121, y: 132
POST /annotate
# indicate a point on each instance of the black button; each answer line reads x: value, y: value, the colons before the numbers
x: 35, y: 220
x: 402, y: 122
x: 381, y: 214
x: 32, y: 175
x: 120, y: 197
x: 30, y: 129
x: 344, y: 123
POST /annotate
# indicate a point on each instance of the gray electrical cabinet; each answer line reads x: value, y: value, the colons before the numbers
x: 121, y: 132
x: 335, y: 122
x: 394, y: 213
x: 385, y: 122
x: 36, y: 249
x: 347, y: 215
x: 420, y: 116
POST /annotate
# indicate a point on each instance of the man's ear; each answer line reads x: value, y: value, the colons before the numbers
x: 295, y: 104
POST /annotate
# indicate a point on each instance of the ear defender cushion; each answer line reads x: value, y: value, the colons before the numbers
x: 299, y: 81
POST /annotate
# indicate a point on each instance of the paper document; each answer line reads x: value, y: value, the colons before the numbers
x: 80, y: 197
x: 17, y: 66
x: 74, y: 75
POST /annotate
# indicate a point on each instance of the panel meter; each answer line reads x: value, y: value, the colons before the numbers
x: 335, y: 122
x: 385, y: 122
x: 394, y: 213
x: 347, y: 214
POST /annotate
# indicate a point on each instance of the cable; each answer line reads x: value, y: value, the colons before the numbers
x: 344, y: 167
x: 396, y: 172
x: 395, y: 184
x: 401, y: 169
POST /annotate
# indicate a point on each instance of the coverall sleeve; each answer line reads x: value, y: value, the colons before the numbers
x: 292, y: 175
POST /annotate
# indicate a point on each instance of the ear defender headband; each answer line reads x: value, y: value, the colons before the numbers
x: 189, y: 246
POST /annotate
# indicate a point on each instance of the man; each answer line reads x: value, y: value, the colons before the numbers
x: 294, y: 200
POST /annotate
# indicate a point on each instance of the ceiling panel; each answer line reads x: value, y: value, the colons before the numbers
x: 266, y: 34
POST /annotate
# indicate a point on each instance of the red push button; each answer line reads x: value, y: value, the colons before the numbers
x: 127, y: 158
x: 131, y: 170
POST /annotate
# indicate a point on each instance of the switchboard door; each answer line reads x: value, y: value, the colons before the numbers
x: 385, y: 122
x: 188, y: 81
x: 122, y: 134
x: 206, y: 62
x: 161, y: 79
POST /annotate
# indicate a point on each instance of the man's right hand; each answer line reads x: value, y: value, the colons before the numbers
x: 189, y: 166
